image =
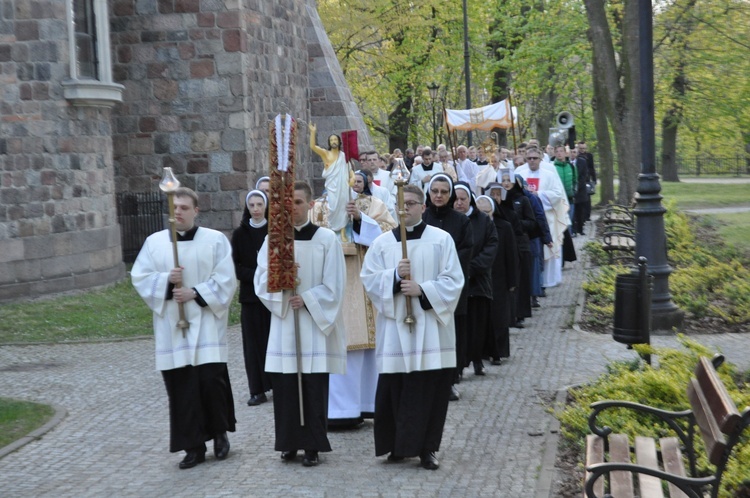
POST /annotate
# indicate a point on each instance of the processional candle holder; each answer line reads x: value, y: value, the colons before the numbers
x: 400, y: 176
x: 168, y: 185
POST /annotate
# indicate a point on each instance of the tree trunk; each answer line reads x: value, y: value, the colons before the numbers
x: 606, y: 173
x: 398, y: 123
x: 620, y: 84
x: 669, y: 145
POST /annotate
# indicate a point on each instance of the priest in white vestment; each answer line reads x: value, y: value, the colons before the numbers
x: 318, y: 301
x: 351, y: 396
x: 193, y: 363
x: 546, y: 184
x: 416, y: 363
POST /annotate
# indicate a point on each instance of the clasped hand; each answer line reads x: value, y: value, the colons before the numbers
x: 180, y: 294
x: 351, y: 210
x: 408, y: 287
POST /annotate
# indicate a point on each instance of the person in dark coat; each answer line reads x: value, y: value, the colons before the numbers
x: 255, y: 317
x: 480, y: 274
x: 504, y: 281
x: 440, y: 214
x: 581, y: 197
x: 537, y: 240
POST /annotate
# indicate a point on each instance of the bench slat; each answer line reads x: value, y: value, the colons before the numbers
x: 595, y: 454
x: 712, y: 436
x: 645, y: 454
x: 620, y: 482
x: 673, y: 463
x: 722, y: 406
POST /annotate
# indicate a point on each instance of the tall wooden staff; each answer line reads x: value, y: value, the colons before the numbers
x: 400, y: 176
x: 282, y: 272
x: 168, y: 185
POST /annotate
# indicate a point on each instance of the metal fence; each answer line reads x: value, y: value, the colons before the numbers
x: 140, y: 214
x: 737, y: 165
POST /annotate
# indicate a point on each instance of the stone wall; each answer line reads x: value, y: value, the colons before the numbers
x: 58, y: 225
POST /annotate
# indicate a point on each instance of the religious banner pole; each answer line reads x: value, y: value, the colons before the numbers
x: 168, y: 185
x: 512, y: 125
x: 282, y: 270
x: 400, y: 176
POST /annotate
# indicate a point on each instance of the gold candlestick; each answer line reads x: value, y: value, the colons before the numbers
x: 400, y: 176
x: 168, y: 185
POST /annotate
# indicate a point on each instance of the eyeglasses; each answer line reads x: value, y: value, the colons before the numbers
x: 411, y: 204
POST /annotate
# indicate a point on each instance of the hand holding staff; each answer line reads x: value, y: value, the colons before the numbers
x: 168, y: 185
x: 400, y: 176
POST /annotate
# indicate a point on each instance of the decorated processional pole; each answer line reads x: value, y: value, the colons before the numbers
x: 168, y: 185
x: 400, y: 176
x: 282, y: 270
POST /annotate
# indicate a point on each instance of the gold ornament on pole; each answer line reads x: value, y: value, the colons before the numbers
x: 400, y: 176
x: 168, y: 185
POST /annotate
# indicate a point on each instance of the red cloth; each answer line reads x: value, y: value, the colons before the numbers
x: 349, y: 145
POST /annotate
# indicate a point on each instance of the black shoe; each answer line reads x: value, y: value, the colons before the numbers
x: 544, y: 293
x: 395, y: 459
x: 497, y: 361
x: 429, y: 461
x: 454, y: 394
x: 221, y: 446
x: 310, y: 459
x: 518, y: 324
x: 535, y: 302
x: 257, y: 399
x: 479, y: 369
x: 288, y: 456
x: 192, y: 458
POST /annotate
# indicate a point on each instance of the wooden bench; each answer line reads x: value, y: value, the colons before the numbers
x: 712, y: 414
x: 618, y: 241
x: 617, y: 213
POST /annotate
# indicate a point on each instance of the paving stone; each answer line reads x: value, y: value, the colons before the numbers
x: 114, y: 440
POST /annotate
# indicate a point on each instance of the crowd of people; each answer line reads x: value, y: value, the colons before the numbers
x: 486, y: 235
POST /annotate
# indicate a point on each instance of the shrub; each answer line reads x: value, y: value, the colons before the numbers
x: 663, y: 387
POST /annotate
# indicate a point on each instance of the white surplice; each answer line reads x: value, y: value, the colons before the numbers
x: 322, y: 275
x: 431, y: 342
x: 552, y: 194
x: 208, y: 267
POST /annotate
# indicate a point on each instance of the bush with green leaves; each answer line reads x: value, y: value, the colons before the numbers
x: 708, y: 281
x: 663, y: 386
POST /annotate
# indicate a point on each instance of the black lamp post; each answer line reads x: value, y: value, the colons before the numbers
x: 650, y: 238
x: 433, y: 88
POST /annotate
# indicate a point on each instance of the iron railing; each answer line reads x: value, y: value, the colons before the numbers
x: 140, y: 214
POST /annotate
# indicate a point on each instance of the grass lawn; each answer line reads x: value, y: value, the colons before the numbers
x: 114, y: 312
x: 704, y: 195
x: 19, y: 418
x: 734, y: 228
x: 707, y: 195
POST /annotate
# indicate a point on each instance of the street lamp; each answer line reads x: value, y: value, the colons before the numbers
x: 650, y: 237
x: 433, y: 88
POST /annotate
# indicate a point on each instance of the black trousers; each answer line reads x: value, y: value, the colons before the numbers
x: 290, y: 435
x: 410, y: 411
x: 256, y: 323
x: 579, y: 216
x: 201, y: 405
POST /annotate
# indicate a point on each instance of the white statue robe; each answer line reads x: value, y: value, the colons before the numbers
x: 208, y: 267
x: 431, y: 342
x: 552, y: 194
x: 336, y: 178
x: 322, y: 275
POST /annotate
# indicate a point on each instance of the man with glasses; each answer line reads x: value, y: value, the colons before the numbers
x: 416, y: 362
x: 546, y: 185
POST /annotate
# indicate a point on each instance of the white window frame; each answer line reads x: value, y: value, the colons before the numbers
x: 83, y: 91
